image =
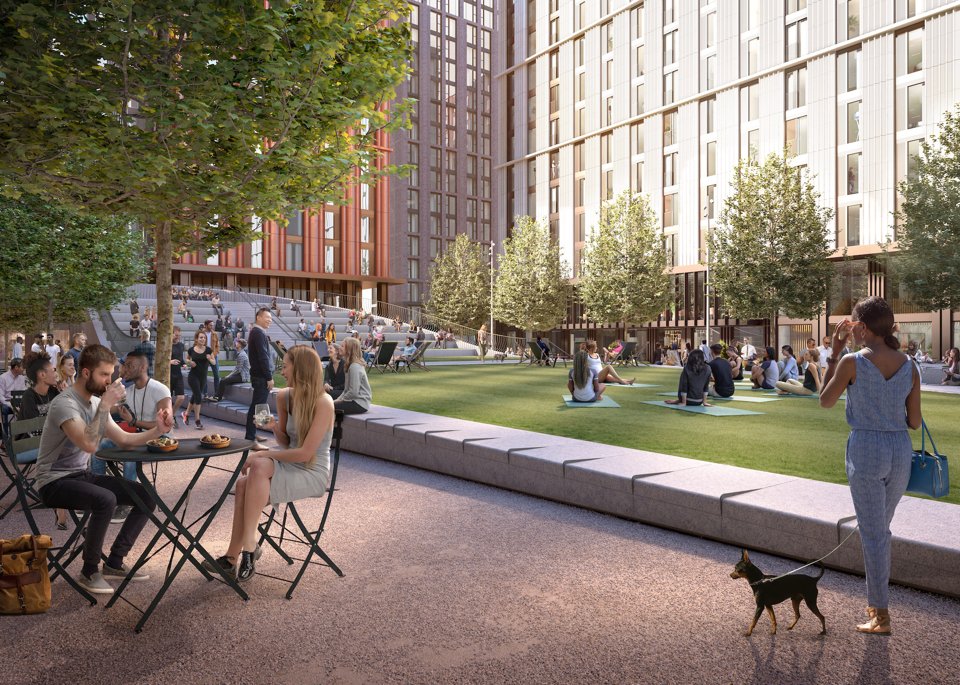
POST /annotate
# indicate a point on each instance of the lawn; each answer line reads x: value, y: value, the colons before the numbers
x: 793, y: 436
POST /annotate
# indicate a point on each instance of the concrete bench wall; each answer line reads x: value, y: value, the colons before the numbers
x: 784, y: 515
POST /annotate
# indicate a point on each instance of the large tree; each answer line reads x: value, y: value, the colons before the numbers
x: 460, y: 284
x: 929, y: 232
x: 623, y: 274
x: 531, y: 289
x: 56, y: 263
x: 194, y: 116
x: 768, y: 254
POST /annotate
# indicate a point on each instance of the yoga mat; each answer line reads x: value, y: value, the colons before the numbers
x: 635, y: 385
x: 712, y: 411
x: 603, y: 402
x: 735, y: 398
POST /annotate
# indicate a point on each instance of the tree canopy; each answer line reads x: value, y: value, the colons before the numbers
x: 531, y: 289
x: 194, y: 116
x: 460, y: 284
x: 57, y: 263
x: 769, y: 251
x: 623, y: 273
x: 929, y: 232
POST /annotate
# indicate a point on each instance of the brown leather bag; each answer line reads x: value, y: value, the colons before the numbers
x: 24, y: 578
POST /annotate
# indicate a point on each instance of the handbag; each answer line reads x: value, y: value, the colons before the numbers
x: 24, y: 577
x: 929, y: 473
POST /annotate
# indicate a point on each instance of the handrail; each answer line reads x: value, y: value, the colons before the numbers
x: 121, y: 343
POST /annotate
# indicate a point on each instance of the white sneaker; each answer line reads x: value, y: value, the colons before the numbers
x: 95, y: 584
x: 123, y: 572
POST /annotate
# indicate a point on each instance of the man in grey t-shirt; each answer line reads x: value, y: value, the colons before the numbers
x: 77, y: 421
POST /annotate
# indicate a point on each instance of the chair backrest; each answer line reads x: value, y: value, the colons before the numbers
x: 385, y: 352
x: 16, y: 399
x: 334, y: 463
x: 21, y: 435
x: 421, y: 348
x: 535, y: 351
x: 627, y: 351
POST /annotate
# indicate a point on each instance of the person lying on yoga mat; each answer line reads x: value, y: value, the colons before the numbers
x: 605, y: 373
x: 694, y: 381
x: 582, y: 381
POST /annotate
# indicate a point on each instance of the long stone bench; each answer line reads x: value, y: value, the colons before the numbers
x: 784, y: 515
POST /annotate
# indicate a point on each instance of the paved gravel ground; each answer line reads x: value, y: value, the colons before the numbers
x: 449, y: 581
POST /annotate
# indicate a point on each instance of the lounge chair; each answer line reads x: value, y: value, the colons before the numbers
x: 384, y: 356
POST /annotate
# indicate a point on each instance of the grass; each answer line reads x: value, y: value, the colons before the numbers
x: 794, y: 436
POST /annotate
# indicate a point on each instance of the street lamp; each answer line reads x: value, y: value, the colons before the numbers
x: 490, y: 332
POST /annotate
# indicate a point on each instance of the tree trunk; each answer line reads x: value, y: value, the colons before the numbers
x: 164, y: 260
x: 49, y: 315
x: 773, y: 332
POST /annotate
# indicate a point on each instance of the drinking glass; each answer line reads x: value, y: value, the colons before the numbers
x: 261, y: 414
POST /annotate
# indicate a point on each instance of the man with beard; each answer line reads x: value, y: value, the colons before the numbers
x: 77, y: 421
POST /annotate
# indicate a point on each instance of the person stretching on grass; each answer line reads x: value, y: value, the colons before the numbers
x: 582, y: 381
x: 811, y: 377
x: 605, y: 373
x: 694, y: 381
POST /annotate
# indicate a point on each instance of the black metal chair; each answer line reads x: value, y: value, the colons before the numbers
x: 302, y: 536
x: 23, y: 439
x: 382, y: 362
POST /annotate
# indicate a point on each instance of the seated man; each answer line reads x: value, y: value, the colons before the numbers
x: 722, y: 373
x: 77, y: 420
x: 11, y: 381
x: 302, y: 329
x: 405, y: 354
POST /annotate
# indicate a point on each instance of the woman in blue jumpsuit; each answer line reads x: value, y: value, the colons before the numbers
x: 883, y: 402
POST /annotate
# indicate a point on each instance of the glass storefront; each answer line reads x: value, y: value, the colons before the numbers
x: 849, y: 284
x: 920, y: 333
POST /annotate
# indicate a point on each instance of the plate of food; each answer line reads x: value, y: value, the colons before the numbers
x: 215, y: 441
x: 162, y: 445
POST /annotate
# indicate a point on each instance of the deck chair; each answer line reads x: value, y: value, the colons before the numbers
x: 417, y: 360
x: 538, y: 356
x: 21, y: 453
x: 626, y: 354
x: 384, y: 356
x: 301, y: 535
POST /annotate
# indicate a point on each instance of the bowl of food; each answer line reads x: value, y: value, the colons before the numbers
x: 162, y: 445
x: 215, y: 441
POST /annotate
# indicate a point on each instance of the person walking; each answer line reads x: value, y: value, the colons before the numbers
x: 213, y: 342
x: 199, y: 359
x: 883, y: 402
x: 261, y: 370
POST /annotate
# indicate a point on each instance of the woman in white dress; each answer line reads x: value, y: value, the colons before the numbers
x: 300, y: 469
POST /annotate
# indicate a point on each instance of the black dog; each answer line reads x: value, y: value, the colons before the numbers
x: 770, y: 590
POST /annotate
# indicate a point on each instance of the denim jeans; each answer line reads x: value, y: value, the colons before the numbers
x: 99, y: 467
x: 260, y: 396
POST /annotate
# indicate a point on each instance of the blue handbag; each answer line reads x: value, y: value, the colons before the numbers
x: 929, y: 474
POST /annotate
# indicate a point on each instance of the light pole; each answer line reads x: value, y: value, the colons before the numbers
x: 490, y: 332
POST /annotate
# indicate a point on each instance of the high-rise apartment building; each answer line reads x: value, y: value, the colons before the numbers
x: 449, y: 146
x: 664, y: 97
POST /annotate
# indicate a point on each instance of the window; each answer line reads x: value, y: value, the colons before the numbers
x: 294, y: 257
x: 749, y: 14
x: 853, y: 121
x: 578, y: 51
x: 295, y: 223
x: 606, y: 36
x: 606, y: 151
x: 608, y: 110
x: 914, y: 51
x: 710, y: 201
x: 413, y: 269
x: 797, y: 39
x: 796, y: 5
x: 853, y: 18
x: 711, y: 161
x: 853, y: 173
x: 753, y: 55
x: 913, y: 153
x: 669, y: 81
x: 797, y: 136
x: 669, y: 48
x: 710, y: 35
x: 915, y: 105
x: 364, y: 262
x: 670, y: 210
x: 669, y: 11
x: 797, y: 88
x: 330, y: 259
x: 669, y: 128
x: 328, y: 224
x: 707, y: 108
x: 750, y: 102
x: 711, y: 71
x: 753, y: 144
x: 554, y: 64
x: 850, y: 225
x: 364, y: 229
x: 670, y: 169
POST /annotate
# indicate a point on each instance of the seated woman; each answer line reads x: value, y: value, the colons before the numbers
x: 811, y: 377
x: 611, y: 353
x: 333, y: 374
x: 331, y: 334
x: 299, y: 469
x: 356, y: 395
x: 765, y: 374
x: 694, y: 381
x: 582, y: 381
x: 951, y: 369
x: 605, y: 373
x: 789, y: 371
x: 672, y: 356
x: 736, y: 363
x: 135, y: 326
x: 318, y: 333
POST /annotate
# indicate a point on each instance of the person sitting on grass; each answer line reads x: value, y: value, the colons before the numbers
x: 811, y: 377
x: 605, y: 372
x: 951, y: 369
x: 789, y: 371
x: 356, y: 395
x: 582, y: 381
x: 611, y: 353
x: 736, y: 363
x: 721, y: 370
x: 298, y: 470
x: 694, y: 381
x: 765, y: 374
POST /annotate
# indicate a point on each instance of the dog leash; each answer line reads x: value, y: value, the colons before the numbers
x: 790, y: 573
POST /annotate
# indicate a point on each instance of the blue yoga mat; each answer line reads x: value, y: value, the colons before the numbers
x: 635, y: 385
x: 603, y: 402
x: 735, y: 398
x: 712, y: 411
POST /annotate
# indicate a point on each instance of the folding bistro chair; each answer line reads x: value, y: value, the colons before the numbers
x: 384, y: 356
x: 302, y: 535
x: 22, y: 446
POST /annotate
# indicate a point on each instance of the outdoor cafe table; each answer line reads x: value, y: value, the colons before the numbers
x: 170, y: 519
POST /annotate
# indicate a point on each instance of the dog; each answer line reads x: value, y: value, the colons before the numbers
x: 770, y: 590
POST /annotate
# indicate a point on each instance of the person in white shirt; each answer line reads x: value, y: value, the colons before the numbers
x: 18, y: 348
x: 707, y: 354
x: 53, y: 350
x: 37, y: 343
x: 826, y: 351
x: 748, y: 351
x: 12, y: 380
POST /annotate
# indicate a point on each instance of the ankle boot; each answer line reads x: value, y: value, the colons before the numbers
x: 879, y: 623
